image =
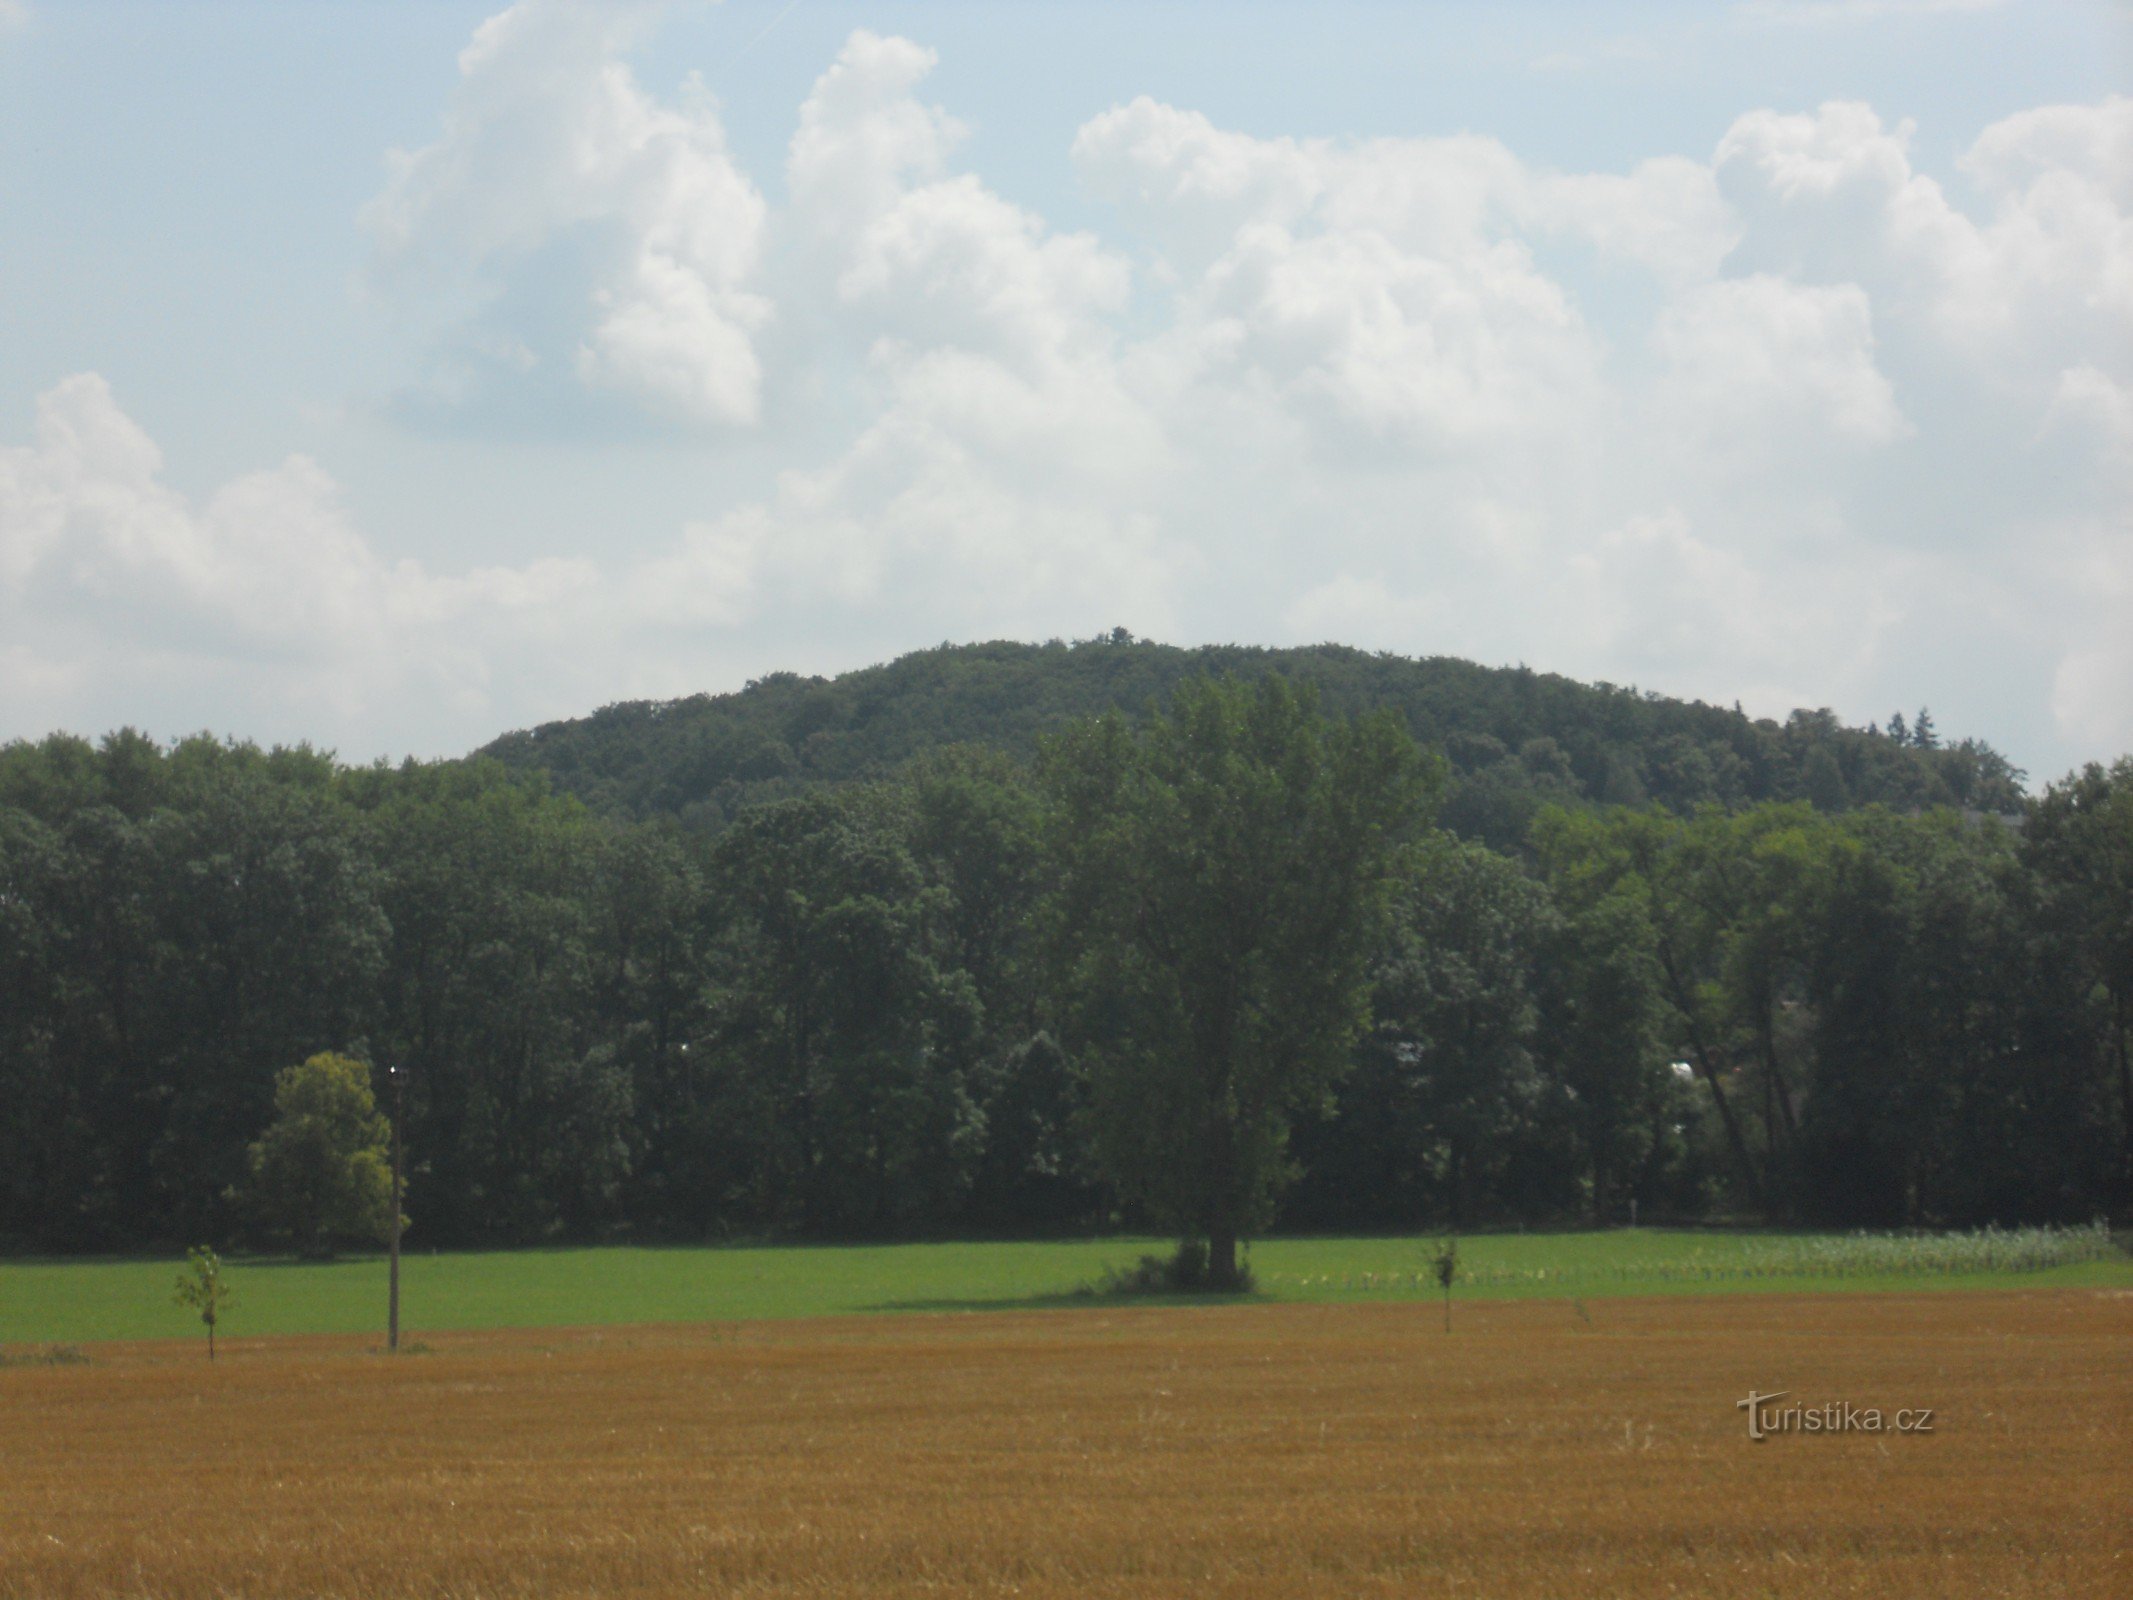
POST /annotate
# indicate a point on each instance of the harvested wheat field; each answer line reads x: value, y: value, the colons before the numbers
x: 1539, y: 1449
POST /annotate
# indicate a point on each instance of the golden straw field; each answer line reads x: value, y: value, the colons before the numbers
x: 1539, y: 1449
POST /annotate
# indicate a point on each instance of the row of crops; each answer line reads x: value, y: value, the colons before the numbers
x: 1819, y: 1256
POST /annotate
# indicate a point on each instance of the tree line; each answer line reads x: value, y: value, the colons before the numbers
x: 1214, y: 969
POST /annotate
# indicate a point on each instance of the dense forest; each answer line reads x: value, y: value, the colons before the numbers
x: 1516, y: 740
x: 824, y: 959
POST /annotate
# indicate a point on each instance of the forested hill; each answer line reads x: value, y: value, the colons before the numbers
x: 1516, y: 739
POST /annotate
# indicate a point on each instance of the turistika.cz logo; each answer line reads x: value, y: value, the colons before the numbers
x: 1766, y: 1418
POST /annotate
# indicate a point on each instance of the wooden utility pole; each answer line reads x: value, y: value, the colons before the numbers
x: 398, y: 1075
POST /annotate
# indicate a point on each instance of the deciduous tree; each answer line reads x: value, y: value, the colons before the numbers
x: 1225, y: 871
x: 321, y: 1173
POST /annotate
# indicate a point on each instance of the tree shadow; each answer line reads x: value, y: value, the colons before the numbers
x: 1073, y: 1299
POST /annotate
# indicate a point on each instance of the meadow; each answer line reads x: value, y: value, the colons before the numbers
x: 78, y: 1301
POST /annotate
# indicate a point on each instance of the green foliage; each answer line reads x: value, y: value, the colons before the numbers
x: 321, y: 1173
x: 1224, y: 873
x: 1943, y: 1077
x: 203, y: 1290
x: 1444, y: 1267
x: 173, y: 928
x: 1517, y: 740
x: 2078, y: 849
x: 824, y: 959
x: 1439, y: 1114
x: 506, y: 916
x: 852, y: 1033
x: 1186, y: 1270
x: 1599, y: 1009
x: 1444, y: 1263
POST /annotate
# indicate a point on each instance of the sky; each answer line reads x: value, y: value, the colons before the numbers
x: 388, y: 375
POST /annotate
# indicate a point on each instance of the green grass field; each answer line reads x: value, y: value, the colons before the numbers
x: 48, y: 1302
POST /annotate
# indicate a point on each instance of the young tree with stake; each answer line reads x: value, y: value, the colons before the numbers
x: 201, y: 1288
x: 1444, y: 1266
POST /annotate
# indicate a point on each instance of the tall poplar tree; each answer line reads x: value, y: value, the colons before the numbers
x: 1225, y: 870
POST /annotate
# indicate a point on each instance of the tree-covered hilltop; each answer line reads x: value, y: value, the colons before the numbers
x: 1516, y: 739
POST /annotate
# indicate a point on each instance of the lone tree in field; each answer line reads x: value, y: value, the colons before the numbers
x: 202, y: 1289
x: 1225, y: 872
x: 1444, y: 1267
x: 322, y: 1171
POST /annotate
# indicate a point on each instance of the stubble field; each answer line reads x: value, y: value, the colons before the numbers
x: 1542, y: 1448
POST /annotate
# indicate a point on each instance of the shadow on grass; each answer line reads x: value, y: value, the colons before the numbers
x: 1073, y: 1299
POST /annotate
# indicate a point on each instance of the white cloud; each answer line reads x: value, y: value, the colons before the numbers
x: 1355, y: 393
x: 2088, y: 145
x: 1759, y: 368
x: 1665, y: 216
x: 1833, y: 197
x: 1654, y: 593
x: 1190, y: 185
x: 1379, y: 294
x: 2088, y: 398
x: 268, y: 564
x: 1755, y: 424
x: 913, y: 252
x: 2088, y: 573
x: 864, y: 137
x: 1001, y: 476
x: 667, y: 334
x: 550, y: 143
x: 2089, y: 689
x: 1186, y: 181
x: 265, y: 596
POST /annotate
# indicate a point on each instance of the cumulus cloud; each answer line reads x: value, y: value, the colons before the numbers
x: 865, y: 137
x: 1374, y: 413
x: 1189, y: 185
x: 266, y: 598
x: 1292, y: 389
x: 1406, y: 397
x: 1833, y: 196
x: 268, y: 563
x: 551, y: 147
x: 2085, y: 569
x: 1657, y: 591
x: 923, y: 256
x: 1758, y: 366
x: 1000, y: 472
x: 2088, y: 398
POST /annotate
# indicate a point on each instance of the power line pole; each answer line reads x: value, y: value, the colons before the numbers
x: 398, y: 1075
